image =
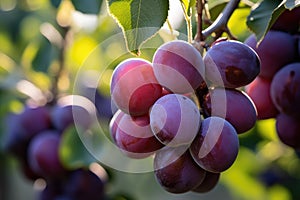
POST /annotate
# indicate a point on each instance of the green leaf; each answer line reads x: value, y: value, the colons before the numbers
x: 87, y: 6
x: 55, y: 3
x: 44, y: 56
x: 73, y: 153
x: 186, y: 4
x: 213, y: 3
x: 192, y: 3
x: 262, y: 17
x: 239, y: 16
x: 139, y: 19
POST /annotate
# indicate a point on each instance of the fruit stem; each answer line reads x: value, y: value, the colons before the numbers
x: 188, y: 20
x: 170, y: 28
x: 220, y: 24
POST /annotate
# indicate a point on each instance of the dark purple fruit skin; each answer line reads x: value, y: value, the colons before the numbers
x: 271, y: 176
x: 268, y: 51
x: 298, y: 39
x: 79, y: 184
x: 288, y: 21
x: 21, y: 128
x: 237, y: 64
x: 181, y: 176
x: 52, y: 191
x: 209, y: 182
x: 223, y: 153
x: 237, y: 102
x: 285, y: 89
x: 83, y: 184
x: 43, y: 154
x: 27, y: 170
x: 288, y: 129
x: 104, y: 105
x: 65, y: 116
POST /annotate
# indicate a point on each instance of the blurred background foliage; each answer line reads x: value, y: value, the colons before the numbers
x: 40, y: 39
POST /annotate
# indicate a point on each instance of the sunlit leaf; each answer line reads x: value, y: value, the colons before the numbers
x: 139, y: 19
x: 266, y: 129
x: 244, y: 185
x: 72, y: 152
x: 82, y: 51
x: 239, y: 17
x: 188, y: 4
x: 278, y: 192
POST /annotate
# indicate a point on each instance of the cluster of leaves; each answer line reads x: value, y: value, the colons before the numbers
x: 136, y: 15
x: 265, y: 14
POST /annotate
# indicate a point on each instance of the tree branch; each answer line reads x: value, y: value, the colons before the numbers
x: 221, y: 22
x: 199, y: 35
x: 61, y: 67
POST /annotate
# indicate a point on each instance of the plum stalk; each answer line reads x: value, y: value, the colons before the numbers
x: 219, y: 26
x: 187, y: 16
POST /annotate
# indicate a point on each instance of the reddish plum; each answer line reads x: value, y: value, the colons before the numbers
x: 134, y: 136
x: 259, y: 92
x: 134, y: 87
x: 178, y: 66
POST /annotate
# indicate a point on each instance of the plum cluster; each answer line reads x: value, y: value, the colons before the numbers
x: 185, y: 110
x: 276, y: 90
x: 33, y: 138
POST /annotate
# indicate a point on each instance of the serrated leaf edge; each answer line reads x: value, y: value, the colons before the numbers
x: 134, y: 52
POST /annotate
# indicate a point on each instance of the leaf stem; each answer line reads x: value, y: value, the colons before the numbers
x: 220, y: 24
